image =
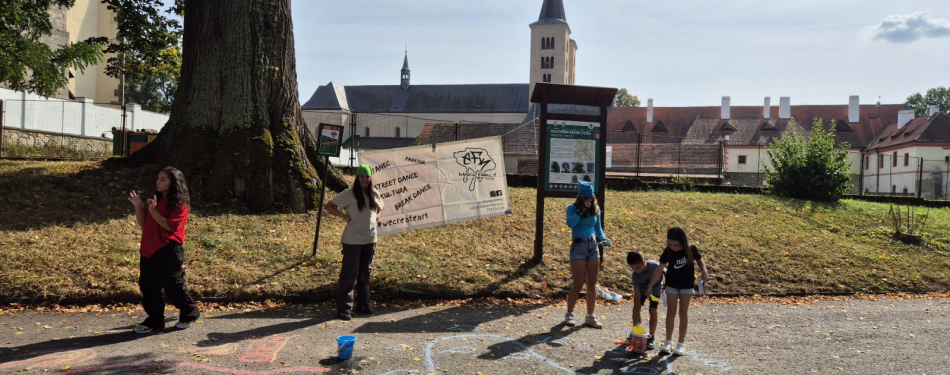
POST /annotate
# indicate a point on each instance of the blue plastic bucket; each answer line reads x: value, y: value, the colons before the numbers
x: 344, y: 347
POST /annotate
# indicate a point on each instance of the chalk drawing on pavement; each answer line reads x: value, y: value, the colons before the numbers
x: 68, y: 358
x: 264, y: 350
x: 460, y: 350
x: 525, y: 350
x: 171, y: 365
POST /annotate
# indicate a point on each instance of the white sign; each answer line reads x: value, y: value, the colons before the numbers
x: 426, y: 186
x: 610, y: 155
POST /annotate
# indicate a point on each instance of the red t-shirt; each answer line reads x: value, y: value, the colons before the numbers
x: 154, y: 237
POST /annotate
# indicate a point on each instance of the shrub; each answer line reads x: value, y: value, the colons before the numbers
x: 809, y: 168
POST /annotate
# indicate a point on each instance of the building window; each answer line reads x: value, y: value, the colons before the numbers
x: 867, y: 162
x: 544, y: 43
x: 880, y: 161
x: 551, y: 43
x: 397, y: 131
x: 367, y: 132
x: 894, y: 161
x: 893, y: 189
x: 741, y: 159
x: 905, y: 191
x: 906, y: 159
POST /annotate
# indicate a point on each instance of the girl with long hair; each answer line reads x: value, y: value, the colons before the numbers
x: 162, y: 219
x: 359, y: 206
x: 679, y: 259
x: 583, y: 217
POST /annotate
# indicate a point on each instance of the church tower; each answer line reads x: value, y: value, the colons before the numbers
x: 552, y: 49
x: 404, y: 81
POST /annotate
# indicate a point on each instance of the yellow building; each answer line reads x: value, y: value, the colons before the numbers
x: 87, y: 19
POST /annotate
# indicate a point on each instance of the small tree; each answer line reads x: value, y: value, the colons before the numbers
x: 624, y: 99
x: 809, y: 168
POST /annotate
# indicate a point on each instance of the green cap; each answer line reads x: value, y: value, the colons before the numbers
x: 364, y: 169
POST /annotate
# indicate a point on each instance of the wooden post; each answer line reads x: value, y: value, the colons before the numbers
x: 3, y: 115
x: 639, y: 155
x: 602, y: 174
x: 539, y: 200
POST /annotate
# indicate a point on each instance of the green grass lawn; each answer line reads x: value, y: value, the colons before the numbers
x: 66, y: 229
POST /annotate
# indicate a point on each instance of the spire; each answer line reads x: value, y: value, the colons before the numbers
x: 404, y: 77
x: 552, y: 9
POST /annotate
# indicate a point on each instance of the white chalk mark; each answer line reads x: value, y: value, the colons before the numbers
x: 532, y: 353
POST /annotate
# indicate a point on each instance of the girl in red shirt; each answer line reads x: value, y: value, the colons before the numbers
x: 163, y: 218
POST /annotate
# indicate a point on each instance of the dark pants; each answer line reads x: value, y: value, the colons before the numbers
x: 357, y: 264
x: 164, y: 271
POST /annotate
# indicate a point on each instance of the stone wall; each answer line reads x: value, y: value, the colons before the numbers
x: 19, y: 143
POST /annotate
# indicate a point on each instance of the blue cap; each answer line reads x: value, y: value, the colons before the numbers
x: 585, y: 189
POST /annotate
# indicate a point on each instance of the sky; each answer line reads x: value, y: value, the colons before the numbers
x: 680, y: 53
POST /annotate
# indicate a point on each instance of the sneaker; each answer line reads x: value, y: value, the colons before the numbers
x: 183, y: 324
x: 650, y: 345
x: 146, y: 329
x: 666, y: 348
x: 680, y: 349
x: 346, y: 315
x: 365, y: 310
x: 592, y: 322
x: 569, y: 320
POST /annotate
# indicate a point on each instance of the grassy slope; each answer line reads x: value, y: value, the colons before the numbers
x: 66, y: 229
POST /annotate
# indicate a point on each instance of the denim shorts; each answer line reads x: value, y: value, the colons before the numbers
x: 685, y: 292
x: 584, y: 248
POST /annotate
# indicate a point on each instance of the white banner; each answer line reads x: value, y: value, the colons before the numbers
x: 426, y: 186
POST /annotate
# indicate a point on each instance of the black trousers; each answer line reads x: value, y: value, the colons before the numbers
x: 164, y: 271
x: 357, y: 265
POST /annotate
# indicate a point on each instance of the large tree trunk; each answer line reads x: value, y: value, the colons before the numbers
x: 236, y: 129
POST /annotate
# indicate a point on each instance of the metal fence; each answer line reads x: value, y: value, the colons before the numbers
x: 904, y: 175
x: 68, y: 130
x: 661, y: 156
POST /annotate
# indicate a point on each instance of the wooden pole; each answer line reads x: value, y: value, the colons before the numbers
x: 539, y: 199
x: 323, y: 192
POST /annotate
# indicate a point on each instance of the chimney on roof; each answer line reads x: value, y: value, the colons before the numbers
x: 767, y: 108
x: 854, y: 109
x: 784, y: 108
x: 903, y: 117
x: 725, y: 108
x: 650, y: 111
x: 932, y: 110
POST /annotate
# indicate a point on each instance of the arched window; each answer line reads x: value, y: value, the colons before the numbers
x: 551, y: 43
x: 543, y: 63
x: 367, y: 132
x: 544, y: 43
x: 397, y: 132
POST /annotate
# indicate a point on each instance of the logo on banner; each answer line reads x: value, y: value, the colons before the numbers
x: 477, y: 164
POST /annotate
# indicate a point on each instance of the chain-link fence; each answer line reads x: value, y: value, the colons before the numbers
x: 662, y: 156
x: 69, y: 130
x: 901, y: 174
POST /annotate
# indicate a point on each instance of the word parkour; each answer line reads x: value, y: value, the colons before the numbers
x: 414, y: 196
x: 401, y: 179
x: 403, y: 220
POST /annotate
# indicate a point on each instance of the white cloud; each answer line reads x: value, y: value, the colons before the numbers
x: 908, y: 28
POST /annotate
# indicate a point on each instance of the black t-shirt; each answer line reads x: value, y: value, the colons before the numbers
x: 679, y: 273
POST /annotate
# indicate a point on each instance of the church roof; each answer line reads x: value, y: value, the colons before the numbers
x: 552, y: 10
x: 480, y: 98
x: 405, y: 62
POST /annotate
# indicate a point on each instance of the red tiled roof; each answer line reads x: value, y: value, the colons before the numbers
x: 922, y: 129
x: 703, y: 124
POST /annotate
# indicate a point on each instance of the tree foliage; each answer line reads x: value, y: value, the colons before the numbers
x: 26, y: 61
x: 939, y: 96
x: 624, y: 99
x: 811, y: 168
x: 146, y: 50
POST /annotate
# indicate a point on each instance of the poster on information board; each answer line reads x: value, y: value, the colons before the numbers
x: 427, y: 186
x: 331, y: 140
x: 571, y: 155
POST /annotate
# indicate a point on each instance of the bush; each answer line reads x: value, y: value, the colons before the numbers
x: 809, y: 168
